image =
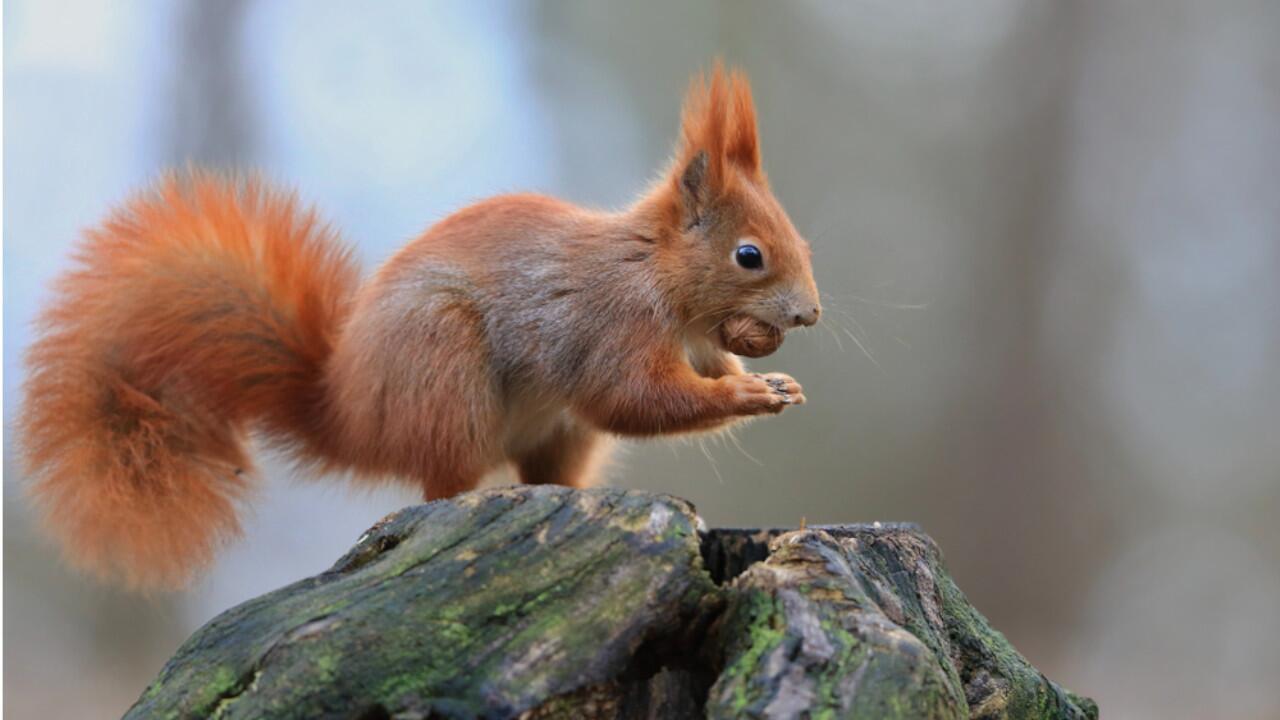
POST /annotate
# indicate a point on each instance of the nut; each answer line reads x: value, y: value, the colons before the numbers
x: 749, y: 337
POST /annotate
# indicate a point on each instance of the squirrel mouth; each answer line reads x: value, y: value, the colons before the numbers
x: 750, y: 336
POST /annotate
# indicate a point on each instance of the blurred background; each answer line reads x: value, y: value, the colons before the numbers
x: 1047, y: 234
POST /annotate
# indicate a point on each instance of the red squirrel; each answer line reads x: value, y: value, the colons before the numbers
x: 521, y: 330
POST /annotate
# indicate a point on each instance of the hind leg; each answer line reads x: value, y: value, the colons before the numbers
x: 414, y: 393
x: 572, y: 455
x: 439, y: 485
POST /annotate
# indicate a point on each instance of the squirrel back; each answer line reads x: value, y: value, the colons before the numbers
x: 202, y: 308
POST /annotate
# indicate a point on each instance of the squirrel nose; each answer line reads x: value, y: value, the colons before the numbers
x: 807, y: 318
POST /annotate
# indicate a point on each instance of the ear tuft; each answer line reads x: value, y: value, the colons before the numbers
x: 718, y: 121
x: 718, y: 134
x: 743, y: 144
x: 703, y: 121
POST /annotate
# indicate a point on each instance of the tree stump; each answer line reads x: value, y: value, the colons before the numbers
x: 548, y: 602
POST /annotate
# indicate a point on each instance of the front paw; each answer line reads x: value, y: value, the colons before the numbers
x: 760, y: 394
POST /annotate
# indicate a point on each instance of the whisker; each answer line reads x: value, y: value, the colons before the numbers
x: 701, y: 315
x: 826, y: 325
x: 714, y: 468
x: 734, y: 439
x: 885, y: 303
x: 722, y: 321
x: 858, y: 326
x: 842, y: 311
x: 863, y: 349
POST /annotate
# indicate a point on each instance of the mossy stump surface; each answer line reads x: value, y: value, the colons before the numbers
x: 546, y: 602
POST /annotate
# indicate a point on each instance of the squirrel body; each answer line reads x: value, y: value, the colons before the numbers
x: 521, y: 330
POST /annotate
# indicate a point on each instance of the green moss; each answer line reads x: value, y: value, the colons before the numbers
x: 759, y: 622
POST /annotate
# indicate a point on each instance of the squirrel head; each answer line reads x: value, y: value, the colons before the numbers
x: 728, y: 247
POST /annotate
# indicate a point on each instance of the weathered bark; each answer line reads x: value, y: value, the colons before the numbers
x: 863, y: 621
x: 545, y: 602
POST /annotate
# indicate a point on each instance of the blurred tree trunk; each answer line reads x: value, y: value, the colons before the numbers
x: 212, y: 121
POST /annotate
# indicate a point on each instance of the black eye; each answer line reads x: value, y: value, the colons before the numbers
x: 749, y: 257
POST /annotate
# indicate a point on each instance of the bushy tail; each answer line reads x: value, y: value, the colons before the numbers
x: 199, y: 311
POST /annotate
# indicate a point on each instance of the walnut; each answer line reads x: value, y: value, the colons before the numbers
x: 749, y: 337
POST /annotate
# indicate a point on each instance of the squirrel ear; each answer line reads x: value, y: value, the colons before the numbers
x: 695, y: 189
x: 700, y: 159
x: 718, y: 129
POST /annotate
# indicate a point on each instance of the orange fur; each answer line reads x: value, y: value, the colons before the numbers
x: 519, y: 330
x: 719, y: 117
x: 199, y: 307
